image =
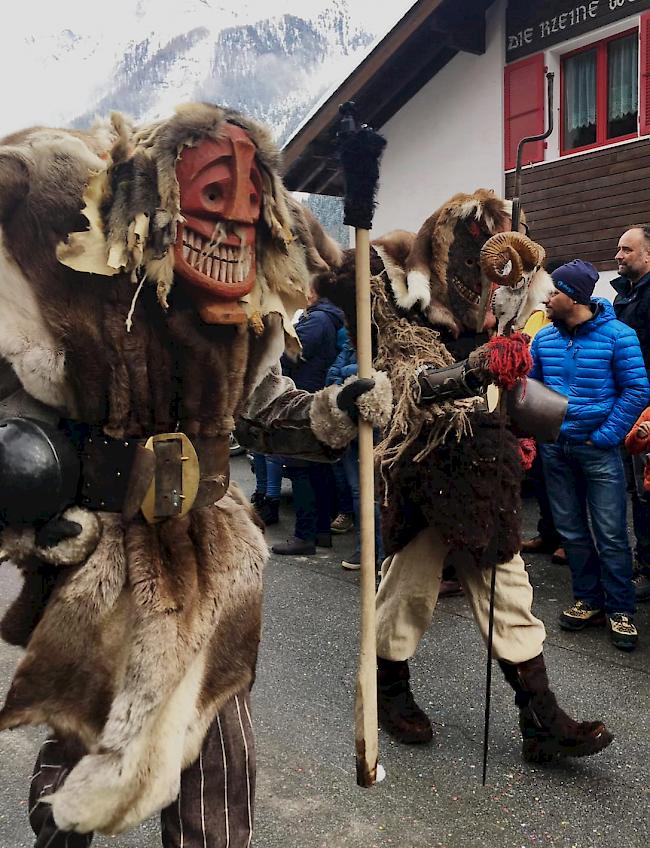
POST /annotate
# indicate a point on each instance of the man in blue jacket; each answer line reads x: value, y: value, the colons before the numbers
x: 595, y: 360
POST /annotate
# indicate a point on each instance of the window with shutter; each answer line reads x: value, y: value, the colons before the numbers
x: 524, y: 100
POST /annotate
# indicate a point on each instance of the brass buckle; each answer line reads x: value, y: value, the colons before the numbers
x: 176, y: 495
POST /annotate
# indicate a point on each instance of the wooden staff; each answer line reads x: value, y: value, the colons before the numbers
x: 360, y: 150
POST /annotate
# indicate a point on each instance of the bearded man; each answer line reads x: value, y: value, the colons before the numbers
x: 451, y: 473
x: 148, y: 279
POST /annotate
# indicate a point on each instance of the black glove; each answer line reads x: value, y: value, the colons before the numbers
x: 346, y: 399
x: 56, y: 530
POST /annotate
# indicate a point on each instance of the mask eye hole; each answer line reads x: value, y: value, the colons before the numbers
x: 469, y: 262
x: 212, y: 193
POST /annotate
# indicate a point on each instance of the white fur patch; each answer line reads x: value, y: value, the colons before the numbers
x: 274, y: 337
x: 516, y: 304
x: 111, y: 792
x: 470, y: 209
x: 419, y: 291
x: 25, y: 340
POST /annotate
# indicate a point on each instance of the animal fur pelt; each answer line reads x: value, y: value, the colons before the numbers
x: 136, y: 651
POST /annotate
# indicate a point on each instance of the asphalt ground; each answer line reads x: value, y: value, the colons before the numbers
x: 432, y: 796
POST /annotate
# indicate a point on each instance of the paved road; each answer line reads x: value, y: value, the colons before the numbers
x: 432, y: 796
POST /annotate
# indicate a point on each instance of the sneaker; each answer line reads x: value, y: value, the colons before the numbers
x: 581, y: 615
x: 294, y: 547
x: 343, y: 523
x: 641, y: 586
x: 352, y: 563
x: 622, y: 631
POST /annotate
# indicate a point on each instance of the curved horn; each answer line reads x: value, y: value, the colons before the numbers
x: 515, y: 248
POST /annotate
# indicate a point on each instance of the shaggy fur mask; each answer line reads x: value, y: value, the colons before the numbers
x: 133, y: 208
x: 438, y: 271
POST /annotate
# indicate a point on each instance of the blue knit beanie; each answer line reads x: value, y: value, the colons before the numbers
x: 576, y: 279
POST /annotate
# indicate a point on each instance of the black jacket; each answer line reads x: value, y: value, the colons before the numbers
x: 632, y: 307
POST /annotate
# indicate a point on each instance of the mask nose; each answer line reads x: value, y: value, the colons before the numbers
x: 244, y: 203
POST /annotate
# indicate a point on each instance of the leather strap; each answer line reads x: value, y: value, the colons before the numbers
x: 117, y: 473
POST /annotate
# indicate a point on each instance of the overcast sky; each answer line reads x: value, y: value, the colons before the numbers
x: 54, y: 53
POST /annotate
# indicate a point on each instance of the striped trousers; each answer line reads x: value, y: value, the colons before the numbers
x: 214, y: 808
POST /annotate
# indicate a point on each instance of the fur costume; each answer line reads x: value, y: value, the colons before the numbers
x: 133, y: 650
x: 438, y: 460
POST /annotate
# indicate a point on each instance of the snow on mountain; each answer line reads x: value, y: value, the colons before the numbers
x: 76, y: 59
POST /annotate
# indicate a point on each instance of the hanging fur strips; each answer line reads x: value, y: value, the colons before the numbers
x: 402, y: 347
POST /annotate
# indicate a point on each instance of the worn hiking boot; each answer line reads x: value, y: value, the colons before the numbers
x: 548, y: 733
x: 622, y: 631
x: 399, y: 715
x: 581, y: 615
x: 343, y: 523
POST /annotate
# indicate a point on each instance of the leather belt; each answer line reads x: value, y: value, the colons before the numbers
x: 164, y: 476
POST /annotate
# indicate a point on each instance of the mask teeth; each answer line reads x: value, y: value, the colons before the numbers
x: 220, y: 262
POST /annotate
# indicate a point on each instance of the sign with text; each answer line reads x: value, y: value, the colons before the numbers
x: 534, y: 26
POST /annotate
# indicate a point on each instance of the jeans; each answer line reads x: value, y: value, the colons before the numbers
x: 344, y: 503
x: 268, y: 475
x: 584, y: 480
x: 634, y: 467
x: 313, y: 498
x: 545, y: 525
x: 350, y: 462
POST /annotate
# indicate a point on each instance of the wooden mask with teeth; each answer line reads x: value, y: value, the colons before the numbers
x: 220, y: 197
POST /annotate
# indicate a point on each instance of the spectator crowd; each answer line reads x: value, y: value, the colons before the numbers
x: 594, y: 352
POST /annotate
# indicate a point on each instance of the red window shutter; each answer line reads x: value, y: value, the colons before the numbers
x: 524, y: 108
x: 644, y: 87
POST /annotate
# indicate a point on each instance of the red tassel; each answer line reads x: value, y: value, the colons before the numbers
x: 509, y: 359
x: 527, y: 453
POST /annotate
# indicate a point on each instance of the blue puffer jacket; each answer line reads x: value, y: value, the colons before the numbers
x: 344, y: 366
x: 599, y: 367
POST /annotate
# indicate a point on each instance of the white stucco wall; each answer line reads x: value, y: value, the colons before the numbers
x: 448, y: 138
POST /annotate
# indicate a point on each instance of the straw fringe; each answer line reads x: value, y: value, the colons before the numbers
x: 402, y: 348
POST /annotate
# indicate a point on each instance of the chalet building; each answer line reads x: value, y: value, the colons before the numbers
x: 456, y: 84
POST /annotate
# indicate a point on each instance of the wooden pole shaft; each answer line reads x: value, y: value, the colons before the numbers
x: 365, y: 708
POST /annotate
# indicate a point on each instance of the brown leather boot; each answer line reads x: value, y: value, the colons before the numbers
x: 399, y: 715
x: 548, y: 732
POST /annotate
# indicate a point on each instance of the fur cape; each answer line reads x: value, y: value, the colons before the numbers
x: 134, y: 650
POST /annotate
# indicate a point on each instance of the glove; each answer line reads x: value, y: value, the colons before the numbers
x: 347, y: 397
x: 56, y: 530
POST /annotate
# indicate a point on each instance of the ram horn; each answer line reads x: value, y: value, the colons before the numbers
x: 514, y: 248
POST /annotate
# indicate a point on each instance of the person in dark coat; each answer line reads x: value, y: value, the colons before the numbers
x: 317, y: 329
x: 632, y: 307
x: 312, y: 482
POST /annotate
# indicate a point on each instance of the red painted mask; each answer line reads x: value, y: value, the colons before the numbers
x: 221, y: 195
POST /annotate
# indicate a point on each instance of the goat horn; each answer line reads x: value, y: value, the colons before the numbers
x: 516, y: 248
